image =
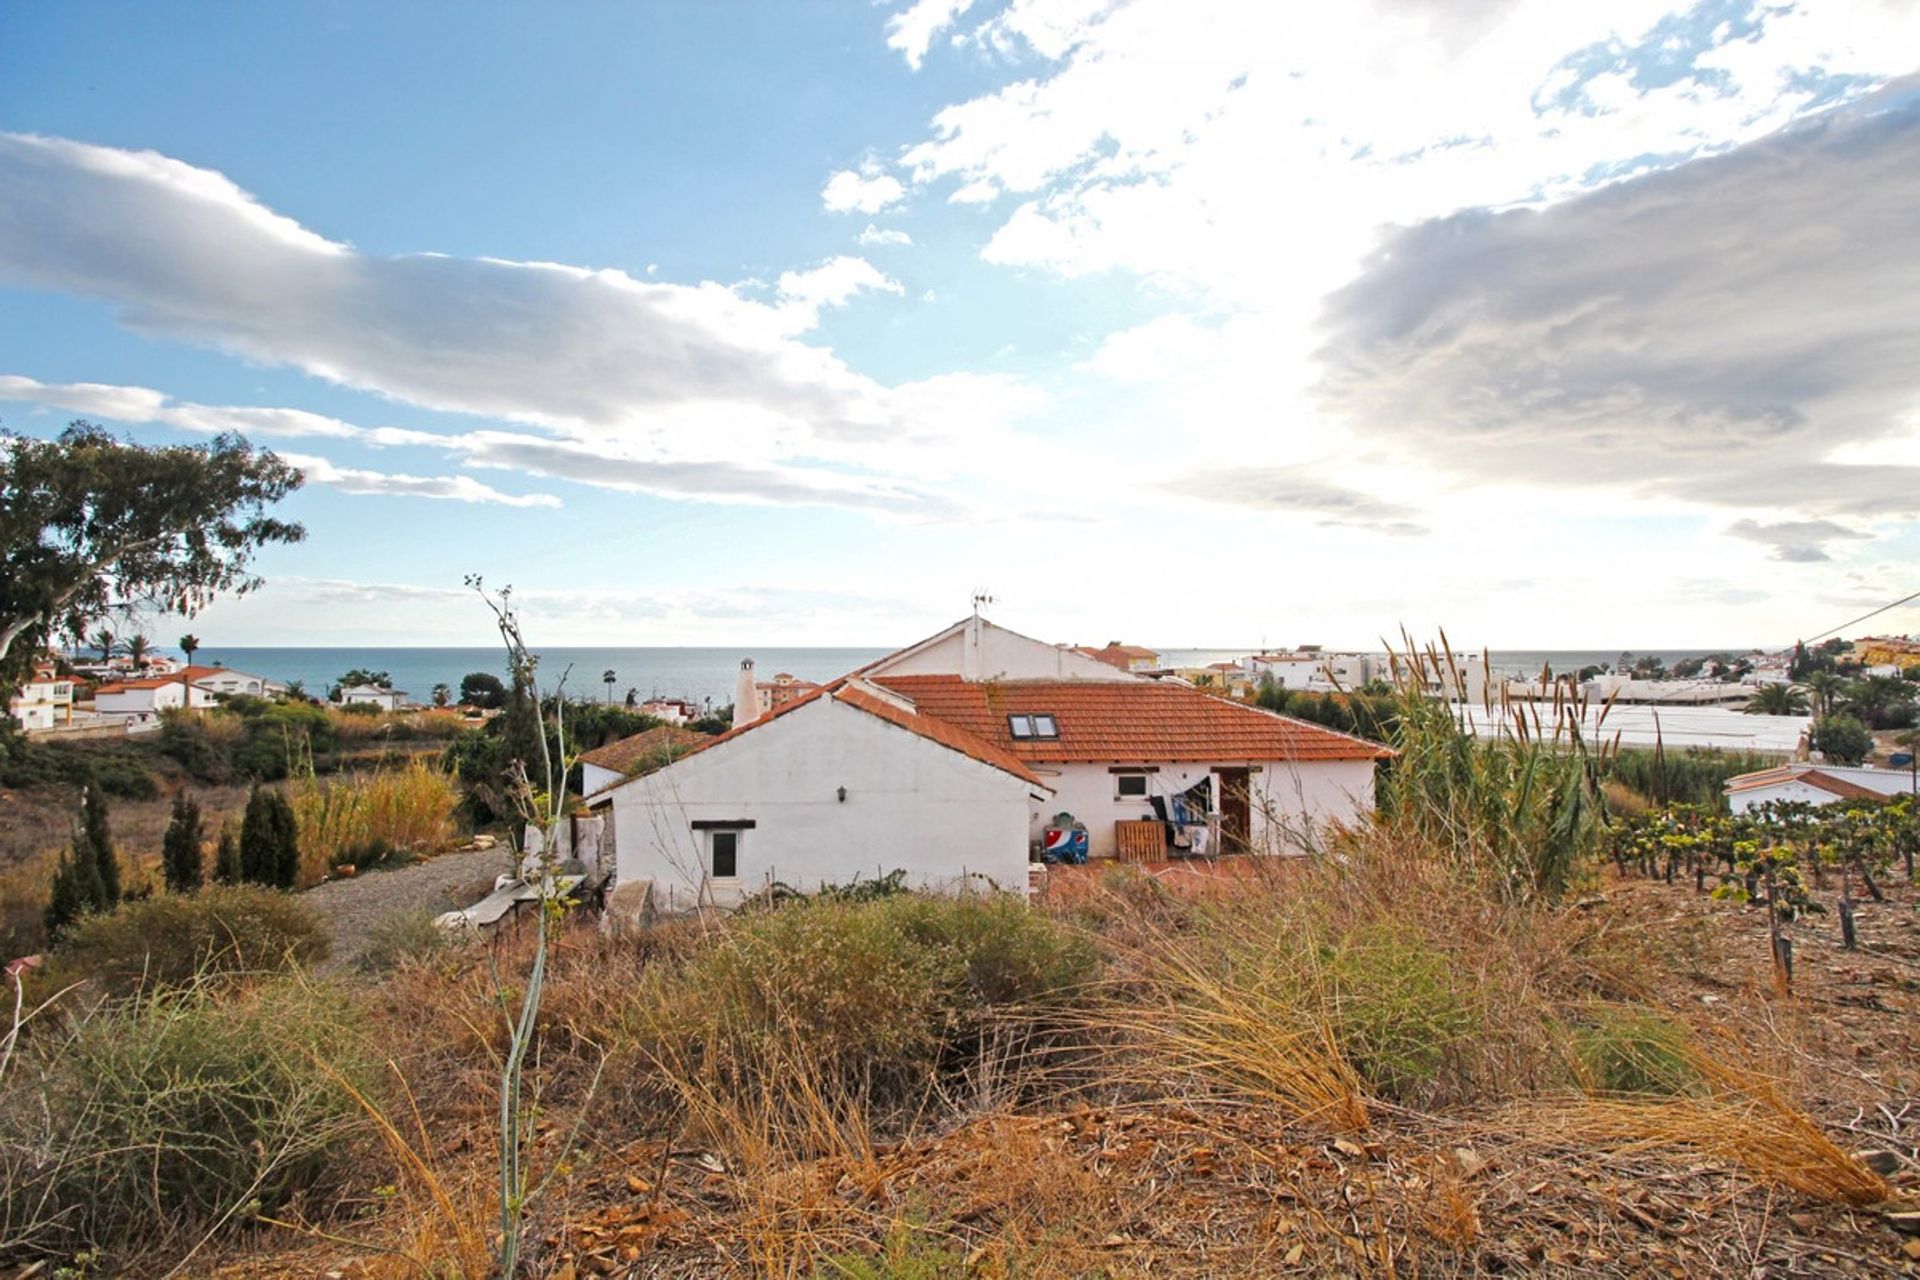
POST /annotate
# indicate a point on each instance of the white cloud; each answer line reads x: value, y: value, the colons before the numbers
x: 912, y: 29
x: 1710, y: 333
x: 686, y: 390
x: 868, y: 189
x: 884, y: 236
x: 1794, y: 541
x: 186, y: 254
x: 831, y: 284
x: 680, y: 465
x: 454, y: 488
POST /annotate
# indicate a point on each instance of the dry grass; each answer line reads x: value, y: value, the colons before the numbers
x: 407, y: 807
x: 1740, y: 1116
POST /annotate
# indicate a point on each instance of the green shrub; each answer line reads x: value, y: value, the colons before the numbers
x: 911, y: 1251
x: 1395, y: 1009
x: 401, y: 938
x: 1635, y: 1051
x: 878, y: 996
x: 185, y: 739
x: 371, y: 710
x: 148, y: 1122
x: 173, y: 940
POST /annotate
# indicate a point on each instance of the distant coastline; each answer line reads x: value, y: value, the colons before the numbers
x: 708, y: 672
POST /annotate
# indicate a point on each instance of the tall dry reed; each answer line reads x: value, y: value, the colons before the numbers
x: 408, y: 807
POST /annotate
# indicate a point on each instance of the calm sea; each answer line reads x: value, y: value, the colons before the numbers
x: 699, y: 673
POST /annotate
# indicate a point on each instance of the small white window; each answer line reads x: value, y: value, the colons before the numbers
x: 723, y: 854
x: 1020, y: 726
x: 1130, y: 786
x: 1044, y: 727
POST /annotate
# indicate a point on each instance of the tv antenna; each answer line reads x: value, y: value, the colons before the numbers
x: 981, y: 598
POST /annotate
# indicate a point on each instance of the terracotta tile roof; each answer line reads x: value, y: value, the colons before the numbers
x: 1815, y: 778
x: 847, y: 690
x: 940, y: 731
x: 149, y: 682
x: 1125, y: 722
x: 656, y: 746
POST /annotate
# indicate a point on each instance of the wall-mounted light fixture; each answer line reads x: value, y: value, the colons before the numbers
x: 843, y: 795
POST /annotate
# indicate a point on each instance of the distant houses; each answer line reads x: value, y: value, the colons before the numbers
x: 1124, y: 657
x: 190, y: 688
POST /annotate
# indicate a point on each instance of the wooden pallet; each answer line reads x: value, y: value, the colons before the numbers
x: 1142, y: 840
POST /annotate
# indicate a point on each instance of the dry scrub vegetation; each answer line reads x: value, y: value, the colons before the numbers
x: 1442, y: 1044
x: 1360, y: 1064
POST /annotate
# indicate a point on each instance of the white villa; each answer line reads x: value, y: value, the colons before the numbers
x: 951, y: 760
x: 44, y: 701
x: 373, y: 695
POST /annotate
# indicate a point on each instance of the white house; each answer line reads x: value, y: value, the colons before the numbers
x: 948, y: 759
x: 373, y: 695
x: 845, y: 782
x: 44, y: 701
x: 227, y: 681
x: 1815, y: 784
x: 142, y: 700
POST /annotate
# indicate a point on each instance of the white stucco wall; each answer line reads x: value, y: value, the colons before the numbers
x: 140, y: 701
x: 983, y: 651
x: 911, y: 804
x: 1287, y: 802
x: 1293, y: 802
x: 594, y: 778
x: 32, y: 715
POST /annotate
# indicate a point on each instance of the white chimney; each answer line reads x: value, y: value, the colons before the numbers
x: 746, y: 696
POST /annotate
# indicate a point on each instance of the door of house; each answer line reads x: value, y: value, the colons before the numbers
x: 1236, y: 810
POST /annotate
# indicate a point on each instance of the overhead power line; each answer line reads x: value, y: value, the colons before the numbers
x: 1852, y: 622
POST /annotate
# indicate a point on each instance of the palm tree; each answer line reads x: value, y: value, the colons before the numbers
x: 138, y: 646
x: 188, y: 644
x: 607, y: 678
x: 1825, y: 686
x: 442, y: 695
x: 297, y: 690
x: 1777, y: 700
x: 103, y: 641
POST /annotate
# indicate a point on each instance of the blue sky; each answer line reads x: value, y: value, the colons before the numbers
x: 1190, y: 324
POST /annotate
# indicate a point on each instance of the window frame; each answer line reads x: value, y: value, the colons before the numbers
x: 1031, y: 722
x: 713, y: 865
x: 1121, y: 776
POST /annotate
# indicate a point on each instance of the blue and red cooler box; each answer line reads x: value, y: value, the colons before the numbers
x: 1063, y: 844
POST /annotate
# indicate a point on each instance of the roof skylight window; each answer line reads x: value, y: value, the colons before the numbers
x: 1027, y: 728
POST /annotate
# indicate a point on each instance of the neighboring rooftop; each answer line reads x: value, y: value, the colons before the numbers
x: 645, y: 751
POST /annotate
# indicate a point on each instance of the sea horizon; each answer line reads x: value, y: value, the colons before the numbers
x: 708, y: 672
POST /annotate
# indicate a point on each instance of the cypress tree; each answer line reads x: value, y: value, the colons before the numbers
x: 269, y: 840
x: 71, y: 897
x: 226, y: 860
x: 180, y: 849
x: 98, y: 841
x: 286, y: 830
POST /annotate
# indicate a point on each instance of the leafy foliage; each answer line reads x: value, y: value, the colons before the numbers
x: 90, y: 523
x: 1842, y: 739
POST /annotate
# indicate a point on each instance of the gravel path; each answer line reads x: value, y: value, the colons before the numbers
x: 351, y: 907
